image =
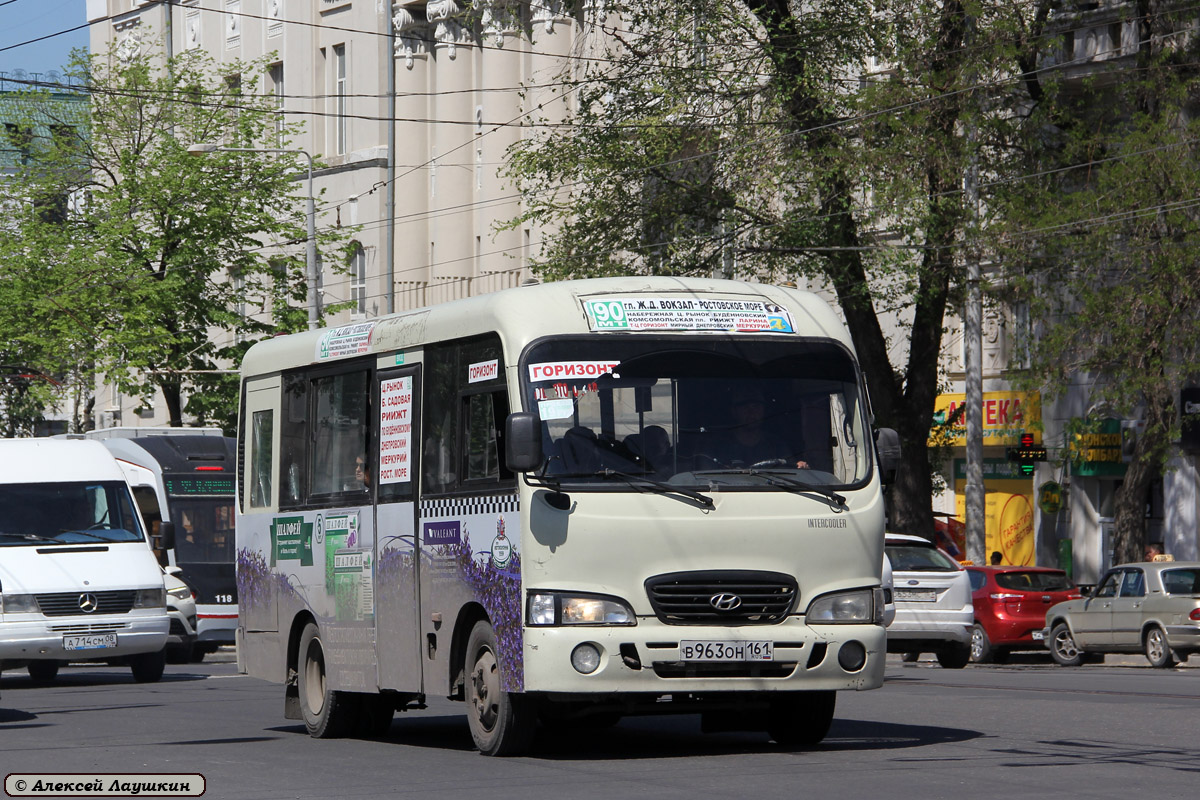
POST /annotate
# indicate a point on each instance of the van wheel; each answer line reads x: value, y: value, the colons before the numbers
x: 148, y: 667
x: 1062, y: 646
x: 1158, y: 652
x: 801, y: 719
x: 502, y: 723
x: 43, y: 671
x: 327, y: 714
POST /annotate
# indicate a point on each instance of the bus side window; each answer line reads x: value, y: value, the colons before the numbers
x: 293, y: 438
x: 484, y: 416
x: 261, y: 433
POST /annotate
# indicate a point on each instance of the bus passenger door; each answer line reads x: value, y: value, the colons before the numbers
x: 397, y: 605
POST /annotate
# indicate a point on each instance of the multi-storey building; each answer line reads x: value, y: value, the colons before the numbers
x: 1063, y: 513
x: 422, y: 192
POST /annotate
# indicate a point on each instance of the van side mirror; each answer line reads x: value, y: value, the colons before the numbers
x: 523, y: 441
x: 887, y: 450
x: 166, y: 536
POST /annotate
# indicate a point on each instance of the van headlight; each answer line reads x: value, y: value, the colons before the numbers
x: 552, y: 608
x: 150, y: 598
x: 846, y: 608
x: 18, y: 604
x: 181, y: 593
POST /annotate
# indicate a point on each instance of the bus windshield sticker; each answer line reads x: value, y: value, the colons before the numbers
x: 483, y: 371
x: 558, y: 370
x: 348, y: 340
x: 395, y: 430
x: 686, y: 314
x: 555, y: 409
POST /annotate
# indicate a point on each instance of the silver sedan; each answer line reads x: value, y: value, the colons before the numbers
x: 1147, y: 607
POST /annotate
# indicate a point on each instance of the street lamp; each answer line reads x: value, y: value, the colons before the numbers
x: 311, y: 247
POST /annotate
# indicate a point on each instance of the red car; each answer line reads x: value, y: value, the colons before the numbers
x: 1010, y: 608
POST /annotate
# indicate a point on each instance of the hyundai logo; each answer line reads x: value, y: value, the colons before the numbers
x: 725, y: 601
x: 88, y: 603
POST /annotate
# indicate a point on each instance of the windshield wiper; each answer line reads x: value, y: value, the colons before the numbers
x: 31, y: 537
x: 784, y: 481
x: 641, y: 481
x: 95, y: 536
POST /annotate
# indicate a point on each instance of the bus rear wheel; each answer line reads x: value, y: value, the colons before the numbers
x: 502, y: 723
x: 327, y: 714
x: 801, y: 719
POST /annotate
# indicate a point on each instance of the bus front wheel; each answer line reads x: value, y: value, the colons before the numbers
x: 327, y: 714
x: 502, y: 723
x: 801, y: 719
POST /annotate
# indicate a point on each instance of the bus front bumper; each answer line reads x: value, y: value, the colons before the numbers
x: 649, y: 658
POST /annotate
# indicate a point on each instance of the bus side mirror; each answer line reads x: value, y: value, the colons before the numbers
x: 523, y: 441
x: 165, y: 537
x: 887, y: 448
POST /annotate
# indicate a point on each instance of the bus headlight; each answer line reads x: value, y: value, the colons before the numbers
x: 18, y: 604
x: 842, y: 608
x: 150, y: 598
x: 552, y: 608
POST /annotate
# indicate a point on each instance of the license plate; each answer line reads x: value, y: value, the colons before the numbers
x: 1038, y: 636
x: 916, y: 595
x: 91, y: 641
x: 702, y: 650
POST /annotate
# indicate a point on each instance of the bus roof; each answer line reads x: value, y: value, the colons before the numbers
x: 524, y: 314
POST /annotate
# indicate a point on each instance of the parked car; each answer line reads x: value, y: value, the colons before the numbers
x: 933, y: 602
x: 1147, y: 607
x: 1010, y: 608
x: 181, y: 608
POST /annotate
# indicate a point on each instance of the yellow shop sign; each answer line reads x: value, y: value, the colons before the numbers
x: 1006, y: 415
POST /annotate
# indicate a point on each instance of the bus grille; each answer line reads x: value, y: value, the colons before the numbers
x: 62, y: 604
x: 721, y: 598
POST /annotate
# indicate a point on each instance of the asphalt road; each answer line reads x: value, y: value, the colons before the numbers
x: 1025, y: 730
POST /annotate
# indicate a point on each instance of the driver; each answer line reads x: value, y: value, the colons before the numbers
x: 750, y: 442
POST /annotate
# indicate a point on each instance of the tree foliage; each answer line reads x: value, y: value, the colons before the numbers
x: 821, y: 142
x: 164, y: 267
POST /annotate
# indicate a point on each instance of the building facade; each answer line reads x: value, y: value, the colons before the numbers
x: 423, y: 194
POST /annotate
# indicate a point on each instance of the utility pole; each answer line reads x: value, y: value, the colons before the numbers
x: 973, y: 334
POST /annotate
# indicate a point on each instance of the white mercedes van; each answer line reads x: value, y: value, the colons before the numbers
x: 78, y: 579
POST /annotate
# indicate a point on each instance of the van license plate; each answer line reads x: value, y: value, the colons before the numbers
x: 709, y: 650
x: 91, y: 641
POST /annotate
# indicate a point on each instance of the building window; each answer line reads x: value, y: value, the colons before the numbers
x: 358, y: 281
x: 276, y: 77
x: 339, y: 66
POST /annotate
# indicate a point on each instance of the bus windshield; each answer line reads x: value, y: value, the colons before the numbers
x: 721, y: 413
x: 67, y: 513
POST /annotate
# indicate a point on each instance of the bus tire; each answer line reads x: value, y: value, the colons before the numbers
x: 327, y: 714
x: 801, y: 719
x: 502, y: 723
x: 148, y: 667
x: 43, y: 671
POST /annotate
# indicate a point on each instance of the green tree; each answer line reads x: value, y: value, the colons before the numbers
x: 821, y: 141
x: 1110, y: 218
x: 162, y: 256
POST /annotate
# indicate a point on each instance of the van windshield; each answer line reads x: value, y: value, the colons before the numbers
x: 716, y: 413
x: 67, y: 513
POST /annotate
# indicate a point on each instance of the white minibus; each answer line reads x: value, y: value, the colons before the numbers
x: 78, y: 580
x: 563, y: 504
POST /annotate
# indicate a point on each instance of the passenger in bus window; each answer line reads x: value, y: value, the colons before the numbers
x: 750, y: 441
x: 362, y: 472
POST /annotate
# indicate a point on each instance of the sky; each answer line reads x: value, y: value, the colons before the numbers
x: 23, y: 20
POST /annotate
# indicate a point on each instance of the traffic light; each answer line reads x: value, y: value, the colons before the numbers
x: 1027, y: 454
